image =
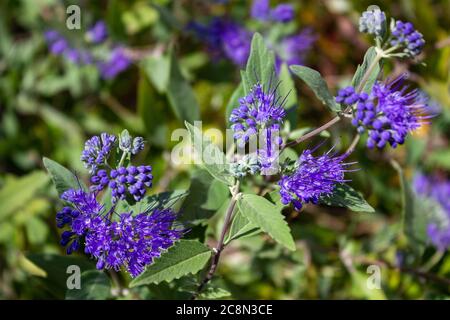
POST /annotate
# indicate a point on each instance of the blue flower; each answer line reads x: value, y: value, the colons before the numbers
x: 133, y: 241
x: 389, y: 113
x: 405, y: 36
x: 313, y: 178
x: 372, y: 21
x: 97, y: 150
x: 283, y: 13
x: 82, y: 214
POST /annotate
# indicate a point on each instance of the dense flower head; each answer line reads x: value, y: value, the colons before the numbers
x: 98, y: 33
x: 97, y: 150
x: 314, y: 177
x: 132, y: 180
x: 283, y: 13
x: 372, y: 21
x: 81, y: 214
x: 438, y: 190
x: 132, y: 241
x: 258, y: 111
x: 348, y: 96
x: 404, y: 35
x: 388, y: 114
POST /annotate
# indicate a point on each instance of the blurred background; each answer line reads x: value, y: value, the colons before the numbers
x: 58, y: 87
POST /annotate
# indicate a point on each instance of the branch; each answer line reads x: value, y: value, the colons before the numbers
x: 220, y: 245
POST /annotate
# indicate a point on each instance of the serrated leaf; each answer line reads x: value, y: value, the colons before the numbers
x: 18, y: 192
x: 268, y: 217
x: 180, y: 94
x: 346, y: 197
x: 95, y: 285
x: 241, y: 228
x: 213, y: 159
x: 315, y: 81
x: 63, y: 178
x: 369, y: 57
x: 185, y: 257
x: 163, y: 200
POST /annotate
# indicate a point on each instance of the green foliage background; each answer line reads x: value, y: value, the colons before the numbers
x: 48, y: 107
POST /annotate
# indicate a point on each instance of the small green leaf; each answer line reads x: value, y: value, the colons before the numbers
x: 180, y: 94
x: 163, y: 200
x: 213, y: 159
x: 185, y: 257
x: 346, y: 197
x: 369, y: 57
x: 241, y: 228
x: 94, y: 285
x: 157, y: 69
x: 262, y: 213
x: 213, y: 292
x: 63, y: 178
x: 315, y: 81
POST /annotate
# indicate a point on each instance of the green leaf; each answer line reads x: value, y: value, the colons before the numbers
x: 346, y: 197
x: 241, y: 228
x: 63, y: 178
x: 180, y: 94
x: 18, y: 192
x: 234, y: 101
x: 95, y: 285
x: 157, y: 69
x: 213, y: 160
x: 315, y: 81
x: 213, y: 292
x: 260, y: 64
x: 288, y: 91
x: 268, y: 217
x: 185, y: 257
x: 369, y: 57
x: 414, y: 215
x: 37, y: 230
x: 206, y: 196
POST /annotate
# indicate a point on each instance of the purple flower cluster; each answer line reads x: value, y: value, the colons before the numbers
x: 133, y: 179
x: 115, y: 62
x: 82, y: 214
x: 132, y: 241
x: 388, y: 114
x: 313, y: 178
x: 439, y: 191
x: 257, y: 111
x: 261, y: 10
x: 404, y: 35
x: 97, y: 150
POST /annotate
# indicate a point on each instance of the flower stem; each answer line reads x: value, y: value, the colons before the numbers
x: 220, y: 245
x: 378, y: 57
x: 312, y: 133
